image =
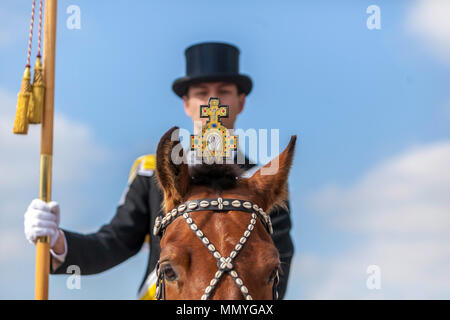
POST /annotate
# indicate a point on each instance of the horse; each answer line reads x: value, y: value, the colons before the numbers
x: 215, y: 233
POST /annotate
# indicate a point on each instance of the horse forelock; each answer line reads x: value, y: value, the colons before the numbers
x: 215, y: 176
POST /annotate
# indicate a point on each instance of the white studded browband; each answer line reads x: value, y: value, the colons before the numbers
x: 225, y: 264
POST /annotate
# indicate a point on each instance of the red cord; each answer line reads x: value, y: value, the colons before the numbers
x: 31, y: 34
x: 40, y: 28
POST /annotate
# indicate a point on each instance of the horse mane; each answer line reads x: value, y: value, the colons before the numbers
x: 216, y: 176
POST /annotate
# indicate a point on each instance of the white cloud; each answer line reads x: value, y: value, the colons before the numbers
x: 75, y: 156
x: 79, y: 167
x: 11, y: 245
x: 399, y: 217
x: 74, y: 149
x: 428, y: 19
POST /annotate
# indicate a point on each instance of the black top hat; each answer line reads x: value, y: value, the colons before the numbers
x: 212, y: 61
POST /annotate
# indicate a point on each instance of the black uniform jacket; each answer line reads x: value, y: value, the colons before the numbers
x: 125, y: 234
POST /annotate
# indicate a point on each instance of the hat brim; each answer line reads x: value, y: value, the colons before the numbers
x: 243, y: 82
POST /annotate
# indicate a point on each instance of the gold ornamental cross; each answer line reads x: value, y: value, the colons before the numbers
x: 215, y: 141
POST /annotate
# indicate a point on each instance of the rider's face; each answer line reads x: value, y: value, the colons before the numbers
x: 199, y: 94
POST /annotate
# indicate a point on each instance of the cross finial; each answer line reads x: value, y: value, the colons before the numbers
x: 215, y: 141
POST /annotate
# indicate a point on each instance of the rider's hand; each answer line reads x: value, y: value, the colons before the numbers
x: 42, y: 219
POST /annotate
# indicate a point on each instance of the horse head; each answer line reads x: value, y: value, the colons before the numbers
x: 216, y: 242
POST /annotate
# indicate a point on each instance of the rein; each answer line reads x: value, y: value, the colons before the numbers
x: 224, y: 264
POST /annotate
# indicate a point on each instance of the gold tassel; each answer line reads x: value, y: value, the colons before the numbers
x: 23, y: 98
x: 36, y: 105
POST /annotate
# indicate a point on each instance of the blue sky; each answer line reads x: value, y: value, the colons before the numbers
x: 361, y: 101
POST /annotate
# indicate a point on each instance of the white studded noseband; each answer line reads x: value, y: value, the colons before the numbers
x: 224, y: 264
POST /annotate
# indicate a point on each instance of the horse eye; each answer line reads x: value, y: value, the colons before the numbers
x: 169, y: 273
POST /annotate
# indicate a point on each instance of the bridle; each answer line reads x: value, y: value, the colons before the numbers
x: 224, y: 264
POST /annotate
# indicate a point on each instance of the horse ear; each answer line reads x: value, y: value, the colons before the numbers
x: 171, y: 169
x: 270, y: 181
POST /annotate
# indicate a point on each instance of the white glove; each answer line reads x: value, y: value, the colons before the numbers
x: 42, y: 219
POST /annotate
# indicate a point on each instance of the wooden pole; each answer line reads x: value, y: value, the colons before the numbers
x: 45, y: 172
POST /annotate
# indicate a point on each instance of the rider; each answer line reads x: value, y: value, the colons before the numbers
x: 212, y: 70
